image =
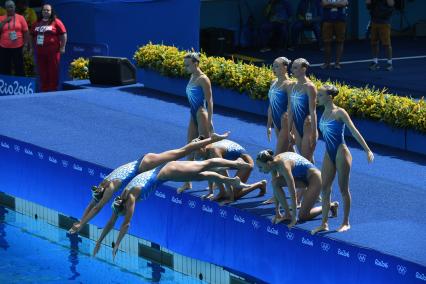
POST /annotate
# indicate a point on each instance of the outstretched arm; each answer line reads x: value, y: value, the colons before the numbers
x: 130, y: 209
x: 93, y: 211
x: 344, y: 116
x: 105, y: 232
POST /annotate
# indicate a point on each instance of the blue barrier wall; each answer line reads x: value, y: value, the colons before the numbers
x: 226, y: 236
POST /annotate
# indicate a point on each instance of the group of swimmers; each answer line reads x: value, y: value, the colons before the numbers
x: 292, y: 113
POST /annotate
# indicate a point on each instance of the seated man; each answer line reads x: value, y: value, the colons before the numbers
x: 278, y: 13
x: 308, y: 17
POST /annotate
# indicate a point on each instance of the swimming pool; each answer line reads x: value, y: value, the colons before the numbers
x: 33, y: 251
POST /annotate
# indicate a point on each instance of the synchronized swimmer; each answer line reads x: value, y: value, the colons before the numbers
x: 292, y: 113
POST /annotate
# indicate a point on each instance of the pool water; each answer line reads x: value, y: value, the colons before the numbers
x: 33, y: 251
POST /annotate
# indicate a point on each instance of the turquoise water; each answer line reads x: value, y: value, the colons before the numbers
x: 33, y: 251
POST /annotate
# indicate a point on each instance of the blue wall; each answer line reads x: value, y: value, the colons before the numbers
x: 124, y: 25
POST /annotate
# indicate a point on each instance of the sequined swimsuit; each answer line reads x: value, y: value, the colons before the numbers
x: 125, y: 172
x: 233, y: 150
x: 195, y: 96
x: 301, y: 165
x: 333, y: 132
x: 147, y: 181
x: 278, y: 102
x: 299, y: 108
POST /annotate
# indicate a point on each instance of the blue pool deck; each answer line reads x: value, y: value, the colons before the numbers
x: 111, y: 126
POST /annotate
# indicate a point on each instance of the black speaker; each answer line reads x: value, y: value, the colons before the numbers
x: 117, y: 71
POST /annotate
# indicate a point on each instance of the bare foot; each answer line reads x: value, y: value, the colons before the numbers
x: 322, y: 227
x: 292, y: 224
x: 269, y: 201
x: 207, y: 196
x: 185, y: 186
x: 334, y: 206
x: 280, y: 218
x: 75, y: 228
x: 218, y: 137
x: 262, y: 191
x: 343, y: 228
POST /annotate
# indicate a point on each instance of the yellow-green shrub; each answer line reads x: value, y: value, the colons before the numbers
x: 79, y: 68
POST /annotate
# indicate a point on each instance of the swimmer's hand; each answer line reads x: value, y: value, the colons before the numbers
x: 97, y: 248
x: 75, y: 228
x: 114, y: 251
x: 268, y: 133
x: 217, y: 137
x: 370, y: 156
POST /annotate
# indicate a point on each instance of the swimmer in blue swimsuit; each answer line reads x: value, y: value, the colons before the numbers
x: 337, y: 157
x: 302, y: 109
x: 292, y: 170
x: 199, y: 94
x: 141, y: 187
x: 122, y: 175
x: 278, y: 103
x: 230, y: 150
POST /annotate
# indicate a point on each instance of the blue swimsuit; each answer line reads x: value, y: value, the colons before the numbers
x: 125, y: 172
x: 301, y: 165
x: 300, y: 109
x: 333, y: 133
x: 278, y: 101
x: 196, y: 99
x: 147, y: 181
x: 232, y: 150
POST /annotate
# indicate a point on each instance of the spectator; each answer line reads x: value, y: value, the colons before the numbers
x: 14, y: 37
x: 28, y: 13
x: 381, y: 12
x: 308, y: 17
x: 49, y: 39
x: 278, y: 13
x: 334, y: 23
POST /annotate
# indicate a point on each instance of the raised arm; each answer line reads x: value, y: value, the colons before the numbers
x: 130, y: 209
x: 343, y: 115
x: 105, y: 232
x: 90, y: 214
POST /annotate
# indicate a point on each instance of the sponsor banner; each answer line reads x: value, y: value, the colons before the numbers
x: 14, y: 85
